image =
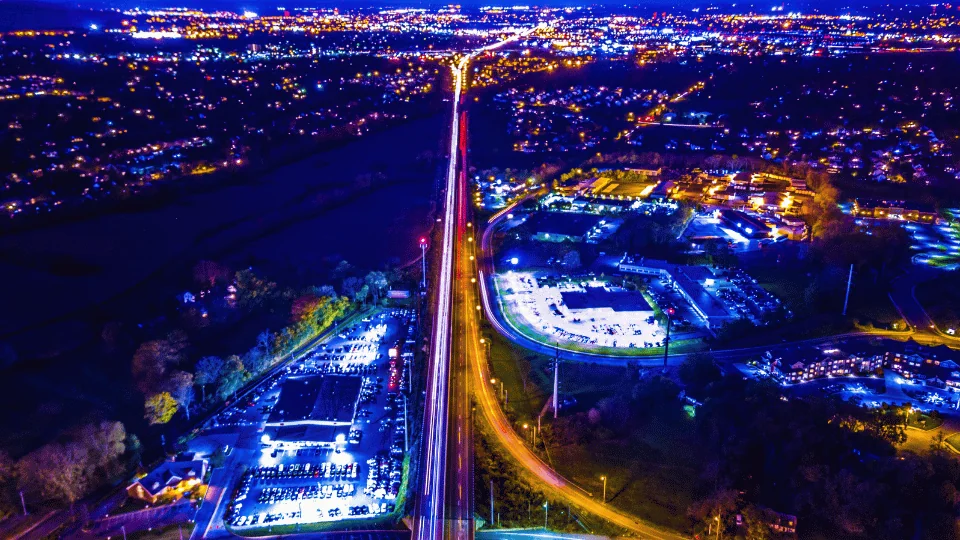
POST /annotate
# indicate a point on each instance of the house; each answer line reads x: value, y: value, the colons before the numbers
x: 171, y: 478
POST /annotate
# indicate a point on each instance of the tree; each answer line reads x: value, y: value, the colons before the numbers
x: 264, y: 340
x: 57, y: 471
x: 180, y: 387
x: 106, y: 442
x: 254, y: 362
x: 362, y: 294
x: 716, y: 510
x: 231, y: 378
x: 207, y: 372
x: 208, y: 273
x: 757, y: 522
x: 938, y: 442
x: 153, y: 358
x: 698, y: 370
x: 889, y: 423
x: 351, y: 286
x: 378, y: 284
x: 571, y: 260
x: 342, y: 269
x: 253, y: 291
x: 159, y: 408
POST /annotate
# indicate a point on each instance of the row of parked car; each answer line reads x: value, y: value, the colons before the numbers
x: 325, y: 470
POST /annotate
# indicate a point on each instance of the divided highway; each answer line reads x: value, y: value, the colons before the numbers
x: 446, y: 454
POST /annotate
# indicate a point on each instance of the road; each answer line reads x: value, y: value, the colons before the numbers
x: 514, y: 445
x: 493, y: 313
x: 440, y: 513
x: 469, y: 373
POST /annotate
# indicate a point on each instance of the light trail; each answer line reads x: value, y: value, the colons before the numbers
x: 429, y: 522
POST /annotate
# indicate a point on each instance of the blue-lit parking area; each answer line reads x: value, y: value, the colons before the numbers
x: 932, y: 244
x: 332, y: 432
x: 937, y: 245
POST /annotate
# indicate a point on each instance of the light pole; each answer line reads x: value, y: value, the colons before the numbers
x: 23, y: 503
x: 494, y: 381
x: 604, y: 478
x: 546, y: 512
x: 123, y: 529
x: 423, y: 260
x: 666, y: 340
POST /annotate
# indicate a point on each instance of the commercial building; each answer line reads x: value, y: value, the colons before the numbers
x: 808, y: 363
x: 693, y: 283
x: 896, y: 210
x: 745, y: 224
x: 314, y: 409
x: 925, y: 365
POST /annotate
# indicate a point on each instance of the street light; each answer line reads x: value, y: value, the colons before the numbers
x: 423, y: 258
x: 604, y: 478
x: 666, y: 340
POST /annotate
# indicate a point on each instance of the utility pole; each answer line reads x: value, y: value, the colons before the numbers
x: 546, y: 512
x: 491, y: 503
x: 846, y: 299
x: 423, y: 260
x: 23, y: 503
x: 666, y: 340
x: 556, y: 380
x: 604, y: 478
x: 123, y: 529
x: 406, y: 429
x: 539, y: 428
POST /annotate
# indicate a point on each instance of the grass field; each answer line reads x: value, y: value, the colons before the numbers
x: 953, y: 441
x: 924, y: 422
x: 650, y: 477
x: 649, y: 474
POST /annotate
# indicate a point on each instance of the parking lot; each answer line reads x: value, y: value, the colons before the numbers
x: 332, y: 430
x: 602, y: 315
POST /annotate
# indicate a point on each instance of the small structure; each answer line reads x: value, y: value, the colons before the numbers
x: 170, y: 479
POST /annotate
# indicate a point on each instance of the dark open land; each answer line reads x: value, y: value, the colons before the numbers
x: 286, y: 222
x: 69, y: 280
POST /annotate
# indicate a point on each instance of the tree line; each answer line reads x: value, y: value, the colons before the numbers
x: 754, y: 452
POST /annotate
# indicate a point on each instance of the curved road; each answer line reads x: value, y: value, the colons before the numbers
x: 506, y: 329
x: 515, y: 446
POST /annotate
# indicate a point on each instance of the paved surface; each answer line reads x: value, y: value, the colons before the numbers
x: 161, y: 516
x: 533, y: 534
x: 434, y: 507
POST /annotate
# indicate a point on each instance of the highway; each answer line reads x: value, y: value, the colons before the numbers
x: 541, y: 474
x: 440, y: 444
x: 458, y: 369
x: 457, y: 331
